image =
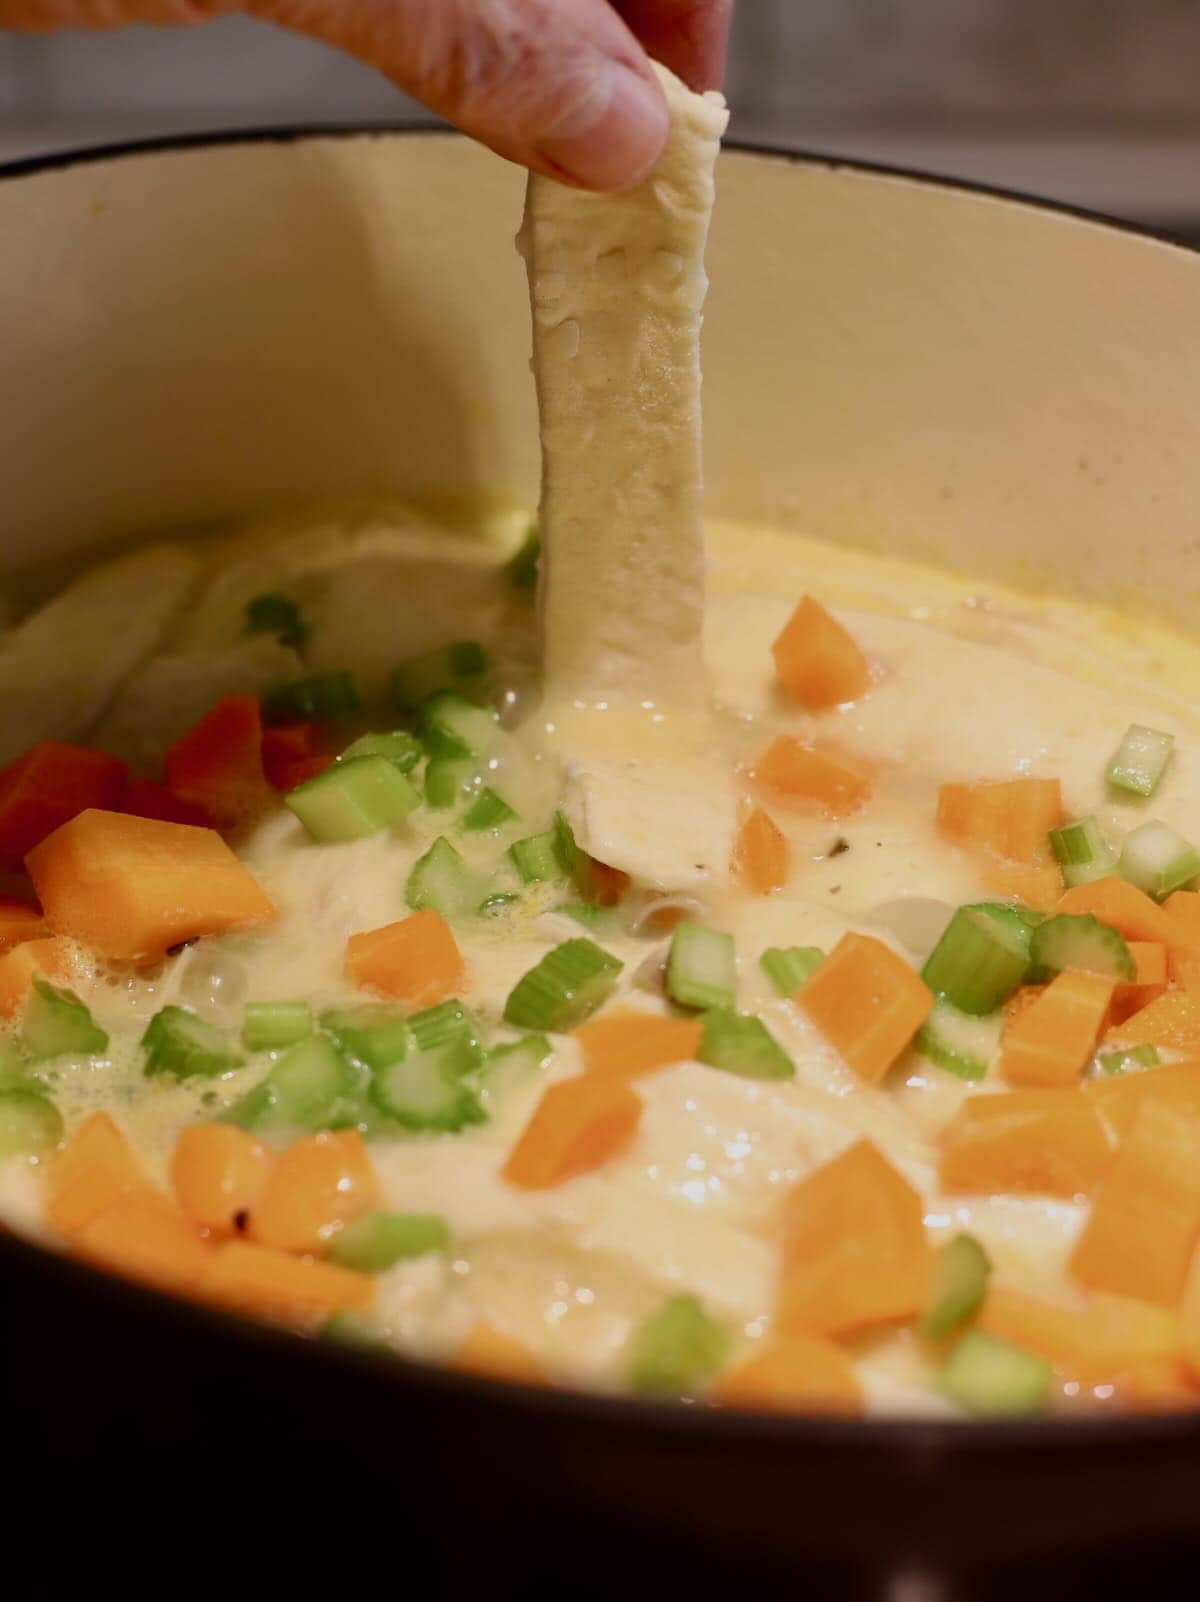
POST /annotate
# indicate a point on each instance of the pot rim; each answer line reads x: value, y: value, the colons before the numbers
x: 934, y: 1439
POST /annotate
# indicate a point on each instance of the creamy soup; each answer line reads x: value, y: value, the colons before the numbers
x: 766, y: 1187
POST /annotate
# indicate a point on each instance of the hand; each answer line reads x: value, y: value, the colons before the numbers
x: 562, y: 86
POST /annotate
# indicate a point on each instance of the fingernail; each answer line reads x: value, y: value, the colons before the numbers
x: 613, y: 136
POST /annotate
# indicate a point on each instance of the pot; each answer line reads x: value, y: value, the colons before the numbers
x: 208, y: 328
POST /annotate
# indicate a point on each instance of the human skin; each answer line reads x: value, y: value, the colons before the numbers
x: 561, y: 86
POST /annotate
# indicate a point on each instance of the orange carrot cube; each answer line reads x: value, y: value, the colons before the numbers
x: 219, y: 1173
x: 19, y: 922
x: 1010, y: 818
x: 1025, y: 1142
x: 1183, y: 908
x: 1172, y: 1021
x: 47, y: 958
x: 1145, y: 1215
x: 579, y: 1125
x: 1122, y: 907
x: 95, y: 1168
x: 131, y: 887
x: 317, y: 1186
x: 146, y: 1236
x: 760, y: 855
x: 867, y: 1002
x: 490, y: 1353
x: 832, y: 779
x: 1047, y: 1329
x: 630, y: 1044
x: 854, y: 1247
x: 792, y: 1374
x: 415, y: 960
x: 218, y: 763
x: 248, y: 1278
x: 1052, y: 1041
x: 817, y: 661
x: 1118, y: 1097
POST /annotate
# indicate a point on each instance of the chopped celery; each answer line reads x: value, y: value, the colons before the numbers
x: 523, y: 568
x: 348, y: 1328
x: 374, y: 1034
x: 1158, y: 860
x: 353, y: 798
x: 1132, y: 1057
x: 987, y: 1376
x: 487, y: 811
x: 271, y: 1025
x: 961, y: 1043
x: 328, y: 695
x: 30, y: 1123
x: 536, y: 858
x: 309, y: 1088
x: 378, y: 1241
x: 787, y: 967
x: 676, y: 1351
x: 572, y: 859
x: 582, y: 912
x: 564, y: 988
x: 1082, y: 852
x: 56, y: 1021
x: 278, y: 615
x: 178, y: 1042
x: 1140, y: 760
x: 449, y: 1024
x: 441, y: 880
x: 741, y: 1044
x: 452, y: 727
x: 514, y: 1057
x: 980, y: 959
x: 701, y: 967
x: 960, y: 1275
x: 449, y: 780
x: 426, y: 1091
x: 400, y: 747
x: 462, y: 668
x: 1071, y: 940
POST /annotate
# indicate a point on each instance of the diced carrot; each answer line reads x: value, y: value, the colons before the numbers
x: 1037, y: 885
x: 1183, y: 968
x: 95, y: 1168
x: 47, y: 786
x: 1025, y: 1142
x: 1149, y: 981
x: 792, y: 1374
x: 1122, y: 1334
x: 1052, y: 1041
x: 1022, y: 998
x: 219, y: 1173
x: 1173, y: 1022
x: 46, y: 958
x: 283, y: 745
x: 19, y: 922
x: 577, y: 1126
x: 414, y: 960
x: 146, y: 1236
x: 146, y: 798
x: 760, y: 854
x: 629, y: 1044
x: 854, y: 1247
x: 315, y: 1188
x: 817, y: 661
x: 1047, y: 1329
x: 605, y: 884
x: 130, y: 887
x: 1008, y: 817
x: 1123, y: 907
x: 218, y: 763
x: 247, y: 1278
x: 1145, y: 1215
x: 287, y: 775
x: 867, y: 1002
x: 1119, y: 1096
x: 1183, y: 908
x: 833, y: 779
x: 487, y: 1351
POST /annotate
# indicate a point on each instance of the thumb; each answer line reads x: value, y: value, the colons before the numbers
x: 560, y: 86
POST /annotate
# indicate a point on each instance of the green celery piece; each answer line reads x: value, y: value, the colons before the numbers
x: 56, y: 1022
x: 30, y: 1123
x: 1131, y: 1057
x: 441, y: 880
x: 536, y: 859
x: 741, y: 1044
x: 311, y: 1087
x: 352, y: 799
x: 981, y: 958
x: 452, y: 727
x: 701, y: 967
x: 448, y: 1024
x: 990, y: 1378
x: 676, y: 1351
x: 1140, y: 760
x: 427, y: 1092
x: 177, y: 1042
x: 398, y: 746
x: 960, y: 1043
x: 373, y: 1034
x: 789, y: 967
x: 378, y: 1241
x: 348, y: 1328
x: 271, y: 1025
x: 1078, y: 940
x: 449, y: 780
x: 564, y: 989
x: 957, y: 1287
x: 487, y: 811
x: 1157, y: 859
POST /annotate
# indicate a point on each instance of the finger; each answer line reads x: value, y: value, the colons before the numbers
x: 689, y: 36
x: 559, y: 85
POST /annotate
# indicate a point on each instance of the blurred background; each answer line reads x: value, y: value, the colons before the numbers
x: 1096, y: 102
